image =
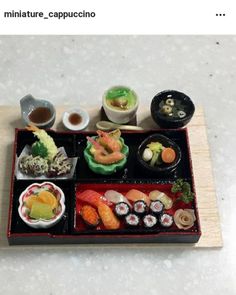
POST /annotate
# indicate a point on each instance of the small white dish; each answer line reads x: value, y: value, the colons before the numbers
x: 34, y: 189
x: 77, y: 126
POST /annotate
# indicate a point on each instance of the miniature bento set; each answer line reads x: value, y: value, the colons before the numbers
x: 103, y: 186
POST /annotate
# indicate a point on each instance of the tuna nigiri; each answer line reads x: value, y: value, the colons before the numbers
x: 135, y: 195
x: 91, y: 197
x: 108, y: 217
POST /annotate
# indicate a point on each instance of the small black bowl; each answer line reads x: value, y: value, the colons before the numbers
x: 168, y: 122
x: 162, y: 168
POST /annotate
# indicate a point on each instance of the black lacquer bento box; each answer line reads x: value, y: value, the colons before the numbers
x: 70, y: 229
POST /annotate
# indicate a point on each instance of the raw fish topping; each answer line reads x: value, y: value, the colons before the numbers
x: 136, y: 195
x: 90, y: 216
x: 116, y: 197
x: 92, y: 197
x: 108, y: 217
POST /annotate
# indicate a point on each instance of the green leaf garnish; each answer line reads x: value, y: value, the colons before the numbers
x: 183, y: 187
x: 39, y: 149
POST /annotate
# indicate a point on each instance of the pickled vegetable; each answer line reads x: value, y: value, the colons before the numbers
x: 168, y: 155
x: 41, y: 211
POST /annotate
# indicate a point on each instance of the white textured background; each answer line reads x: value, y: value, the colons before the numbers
x: 75, y: 70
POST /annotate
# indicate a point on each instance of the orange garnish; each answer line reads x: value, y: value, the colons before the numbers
x: 168, y: 155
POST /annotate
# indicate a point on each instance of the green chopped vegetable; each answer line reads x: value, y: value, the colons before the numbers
x: 117, y: 92
x: 155, y: 147
x: 39, y: 149
x: 183, y: 187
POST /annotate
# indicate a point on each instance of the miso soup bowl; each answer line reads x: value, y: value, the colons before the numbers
x: 120, y: 116
x: 33, y: 189
x: 165, y: 121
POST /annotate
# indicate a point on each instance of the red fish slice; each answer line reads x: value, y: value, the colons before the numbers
x: 91, y: 197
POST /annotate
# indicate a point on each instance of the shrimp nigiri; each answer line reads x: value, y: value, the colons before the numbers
x: 108, y: 217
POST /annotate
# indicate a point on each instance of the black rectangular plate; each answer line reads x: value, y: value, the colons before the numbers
x: 74, y: 143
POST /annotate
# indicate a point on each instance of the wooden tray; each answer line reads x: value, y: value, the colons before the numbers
x: 211, y: 233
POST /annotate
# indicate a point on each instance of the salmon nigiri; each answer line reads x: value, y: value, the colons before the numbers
x: 135, y: 195
x: 91, y: 197
x: 109, y: 219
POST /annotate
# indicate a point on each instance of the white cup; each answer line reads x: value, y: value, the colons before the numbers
x: 119, y: 116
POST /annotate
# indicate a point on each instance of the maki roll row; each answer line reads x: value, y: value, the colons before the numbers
x: 149, y: 220
x: 141, y: 215
x: 139, y: 207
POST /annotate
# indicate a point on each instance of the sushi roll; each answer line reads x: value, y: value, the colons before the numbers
x: 156, y: 207
x: 140, y: 207
x: 166, y: 220
x: 122, y: 209
x: 149, y: 221
x: 132, y: 220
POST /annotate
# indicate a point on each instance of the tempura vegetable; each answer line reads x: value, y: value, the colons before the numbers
x: 46, y: 142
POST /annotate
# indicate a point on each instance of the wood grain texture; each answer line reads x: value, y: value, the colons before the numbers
x: 206, y: 196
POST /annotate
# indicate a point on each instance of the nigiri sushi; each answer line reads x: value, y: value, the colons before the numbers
x: 109, y: 219
x: 135, y: 195
x: 92, y: 197
x: 90, y: 216
x: 115, y: 197
x: 157, y: 195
